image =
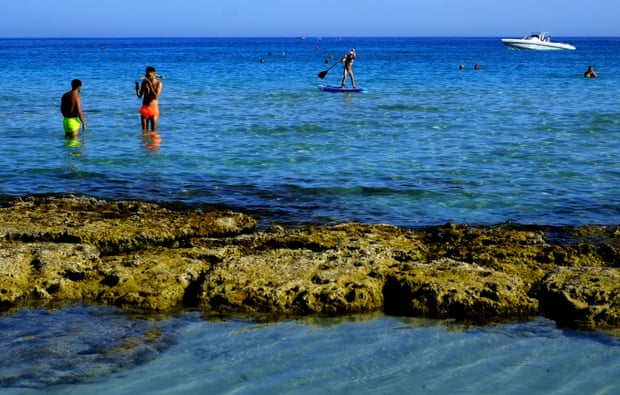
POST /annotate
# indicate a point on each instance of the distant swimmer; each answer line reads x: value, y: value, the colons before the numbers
x: 71, y: 109
x: 348, y: 67
x: 151, y: 90
x: 590, y: 73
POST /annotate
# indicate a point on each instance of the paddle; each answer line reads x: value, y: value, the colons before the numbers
x: 323, y: 73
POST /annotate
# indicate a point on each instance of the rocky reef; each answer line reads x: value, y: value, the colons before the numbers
x: 145, y: 256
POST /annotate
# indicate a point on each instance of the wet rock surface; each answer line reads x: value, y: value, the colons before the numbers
x: 139, y: 255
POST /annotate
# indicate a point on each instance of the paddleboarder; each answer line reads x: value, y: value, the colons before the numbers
x: 348, y: 67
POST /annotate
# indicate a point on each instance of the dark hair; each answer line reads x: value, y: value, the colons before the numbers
x: 76, y: 83
x: 150, y: 69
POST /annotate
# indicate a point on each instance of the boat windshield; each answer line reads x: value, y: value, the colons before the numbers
x: 542, y: 36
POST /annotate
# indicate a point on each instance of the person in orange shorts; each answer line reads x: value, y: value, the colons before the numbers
x: 149, y: 90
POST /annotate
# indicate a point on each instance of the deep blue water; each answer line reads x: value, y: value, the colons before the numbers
x: 526, y: 138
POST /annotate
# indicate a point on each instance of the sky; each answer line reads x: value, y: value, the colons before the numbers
x: 314, y: 18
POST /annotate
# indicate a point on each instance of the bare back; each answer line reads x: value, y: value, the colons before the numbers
x: 69, y: 105
x: 150, y: 91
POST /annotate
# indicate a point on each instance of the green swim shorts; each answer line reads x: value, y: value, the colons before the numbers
x: 71, y: 125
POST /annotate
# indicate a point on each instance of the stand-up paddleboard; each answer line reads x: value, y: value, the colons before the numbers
x: 333, y: 88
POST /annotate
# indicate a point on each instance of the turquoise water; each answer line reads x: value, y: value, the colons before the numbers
x: 361, y: 354
x: 526, y: 138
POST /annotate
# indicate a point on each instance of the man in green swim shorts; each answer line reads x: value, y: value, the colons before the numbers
x: 71, y: 108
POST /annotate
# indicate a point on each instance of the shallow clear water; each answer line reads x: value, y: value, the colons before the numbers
x: 526, y: 138
x: 370, y: 354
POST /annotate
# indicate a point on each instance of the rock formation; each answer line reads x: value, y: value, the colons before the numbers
x: 140, y: 255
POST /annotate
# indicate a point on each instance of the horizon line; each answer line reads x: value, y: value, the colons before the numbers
x: 300, y: 37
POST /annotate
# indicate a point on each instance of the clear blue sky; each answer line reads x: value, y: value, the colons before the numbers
x: 291, y: 18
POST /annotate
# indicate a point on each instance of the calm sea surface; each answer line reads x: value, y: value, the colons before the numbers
x: 525, y: 138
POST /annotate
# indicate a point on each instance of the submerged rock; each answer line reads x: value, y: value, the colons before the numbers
x: 140, y: 255
x: 77, y: 344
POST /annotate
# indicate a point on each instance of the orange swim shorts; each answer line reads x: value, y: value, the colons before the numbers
x: 149, y: 111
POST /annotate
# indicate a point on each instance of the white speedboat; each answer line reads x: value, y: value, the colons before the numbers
x: 537, y: 41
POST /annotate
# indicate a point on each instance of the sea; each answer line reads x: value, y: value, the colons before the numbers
x: 522, y: 138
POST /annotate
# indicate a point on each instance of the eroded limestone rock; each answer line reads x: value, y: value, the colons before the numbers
x: 140, y: 255
x: 586, y: 297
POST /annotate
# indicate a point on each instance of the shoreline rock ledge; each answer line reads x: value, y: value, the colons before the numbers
x: 140, y: 255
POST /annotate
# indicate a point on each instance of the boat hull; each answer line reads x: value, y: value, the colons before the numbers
x: 535, y: 45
